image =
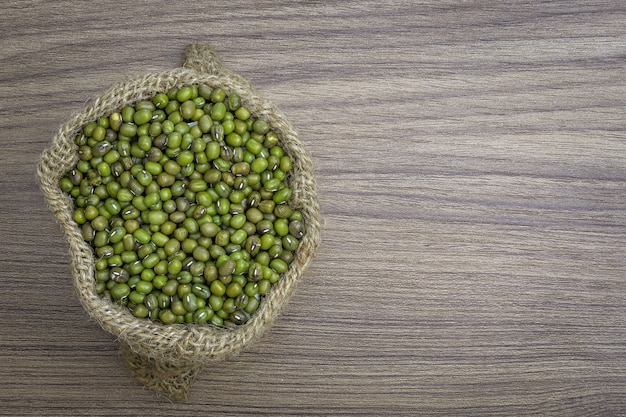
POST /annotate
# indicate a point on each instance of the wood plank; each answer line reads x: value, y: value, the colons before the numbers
x: 471, y: 165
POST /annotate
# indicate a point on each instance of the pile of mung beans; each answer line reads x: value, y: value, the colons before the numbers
x: 184, y: 200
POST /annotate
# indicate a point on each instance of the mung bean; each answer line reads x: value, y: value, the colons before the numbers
x: 185, y: 201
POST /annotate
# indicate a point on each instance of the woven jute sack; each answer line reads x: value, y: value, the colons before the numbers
x: 167, y: 358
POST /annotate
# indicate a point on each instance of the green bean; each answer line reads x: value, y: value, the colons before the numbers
x: 242, y: 113
x: 145, y: 249
x: 218, y: 95
x: 140, y: 311
x: 190, y: 302
x: 150, y: 261
x: 252, y: 305
x: 233, y: 139
x: 160, y: 239
x: 264, y: 286
x: 218, y: 111
x: 167, y: 316
x: 115, y: 121
x: 157, y: 217
x: 260, y: 126
x: 98, y: 133
x: 160, y: 100
x: 177, y: 307
x: 202, y: 315
x: 271, y: 139
x: 272, y: 163
x: 283, y: 195
x: 120, y: 291
x: 184, y: 94
x: 267, y: 241
x: 199, y: 101
x: 111, y: 157
x: 201, y: 291
x: 142, y: 236
x: 198, y: 212
x: 184, y: 199
x: 136, y: 297
x: 290, y: 242
x: 228, y: 307
x: 281, y: 226
x: 259, y: 165
x: 91, y: 212
x: 128, y: 130
x: 283, y: 211
x: 239, y: 237
x: 189, y: 245
x: 142, y: 116
x: 187, y: 109
x: 201, y: 253
x: 195, y: 272
x: 217, y: 290
x: 204, y: 91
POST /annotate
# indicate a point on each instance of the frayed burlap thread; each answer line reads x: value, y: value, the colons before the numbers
x: 167, y: 358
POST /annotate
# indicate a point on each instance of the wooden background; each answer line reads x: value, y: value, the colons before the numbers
x: 471, y: 165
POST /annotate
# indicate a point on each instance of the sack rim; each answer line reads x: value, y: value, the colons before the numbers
x: 196, y: 343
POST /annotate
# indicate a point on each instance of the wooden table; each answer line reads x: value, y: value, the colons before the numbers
x: 471, y: 166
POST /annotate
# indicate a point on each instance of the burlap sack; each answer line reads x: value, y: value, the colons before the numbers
x: 167, y: 358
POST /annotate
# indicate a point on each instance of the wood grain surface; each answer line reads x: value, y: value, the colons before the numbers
x: 471, y: 166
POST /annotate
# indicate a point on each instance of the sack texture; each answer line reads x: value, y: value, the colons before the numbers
x: 167, y: 358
